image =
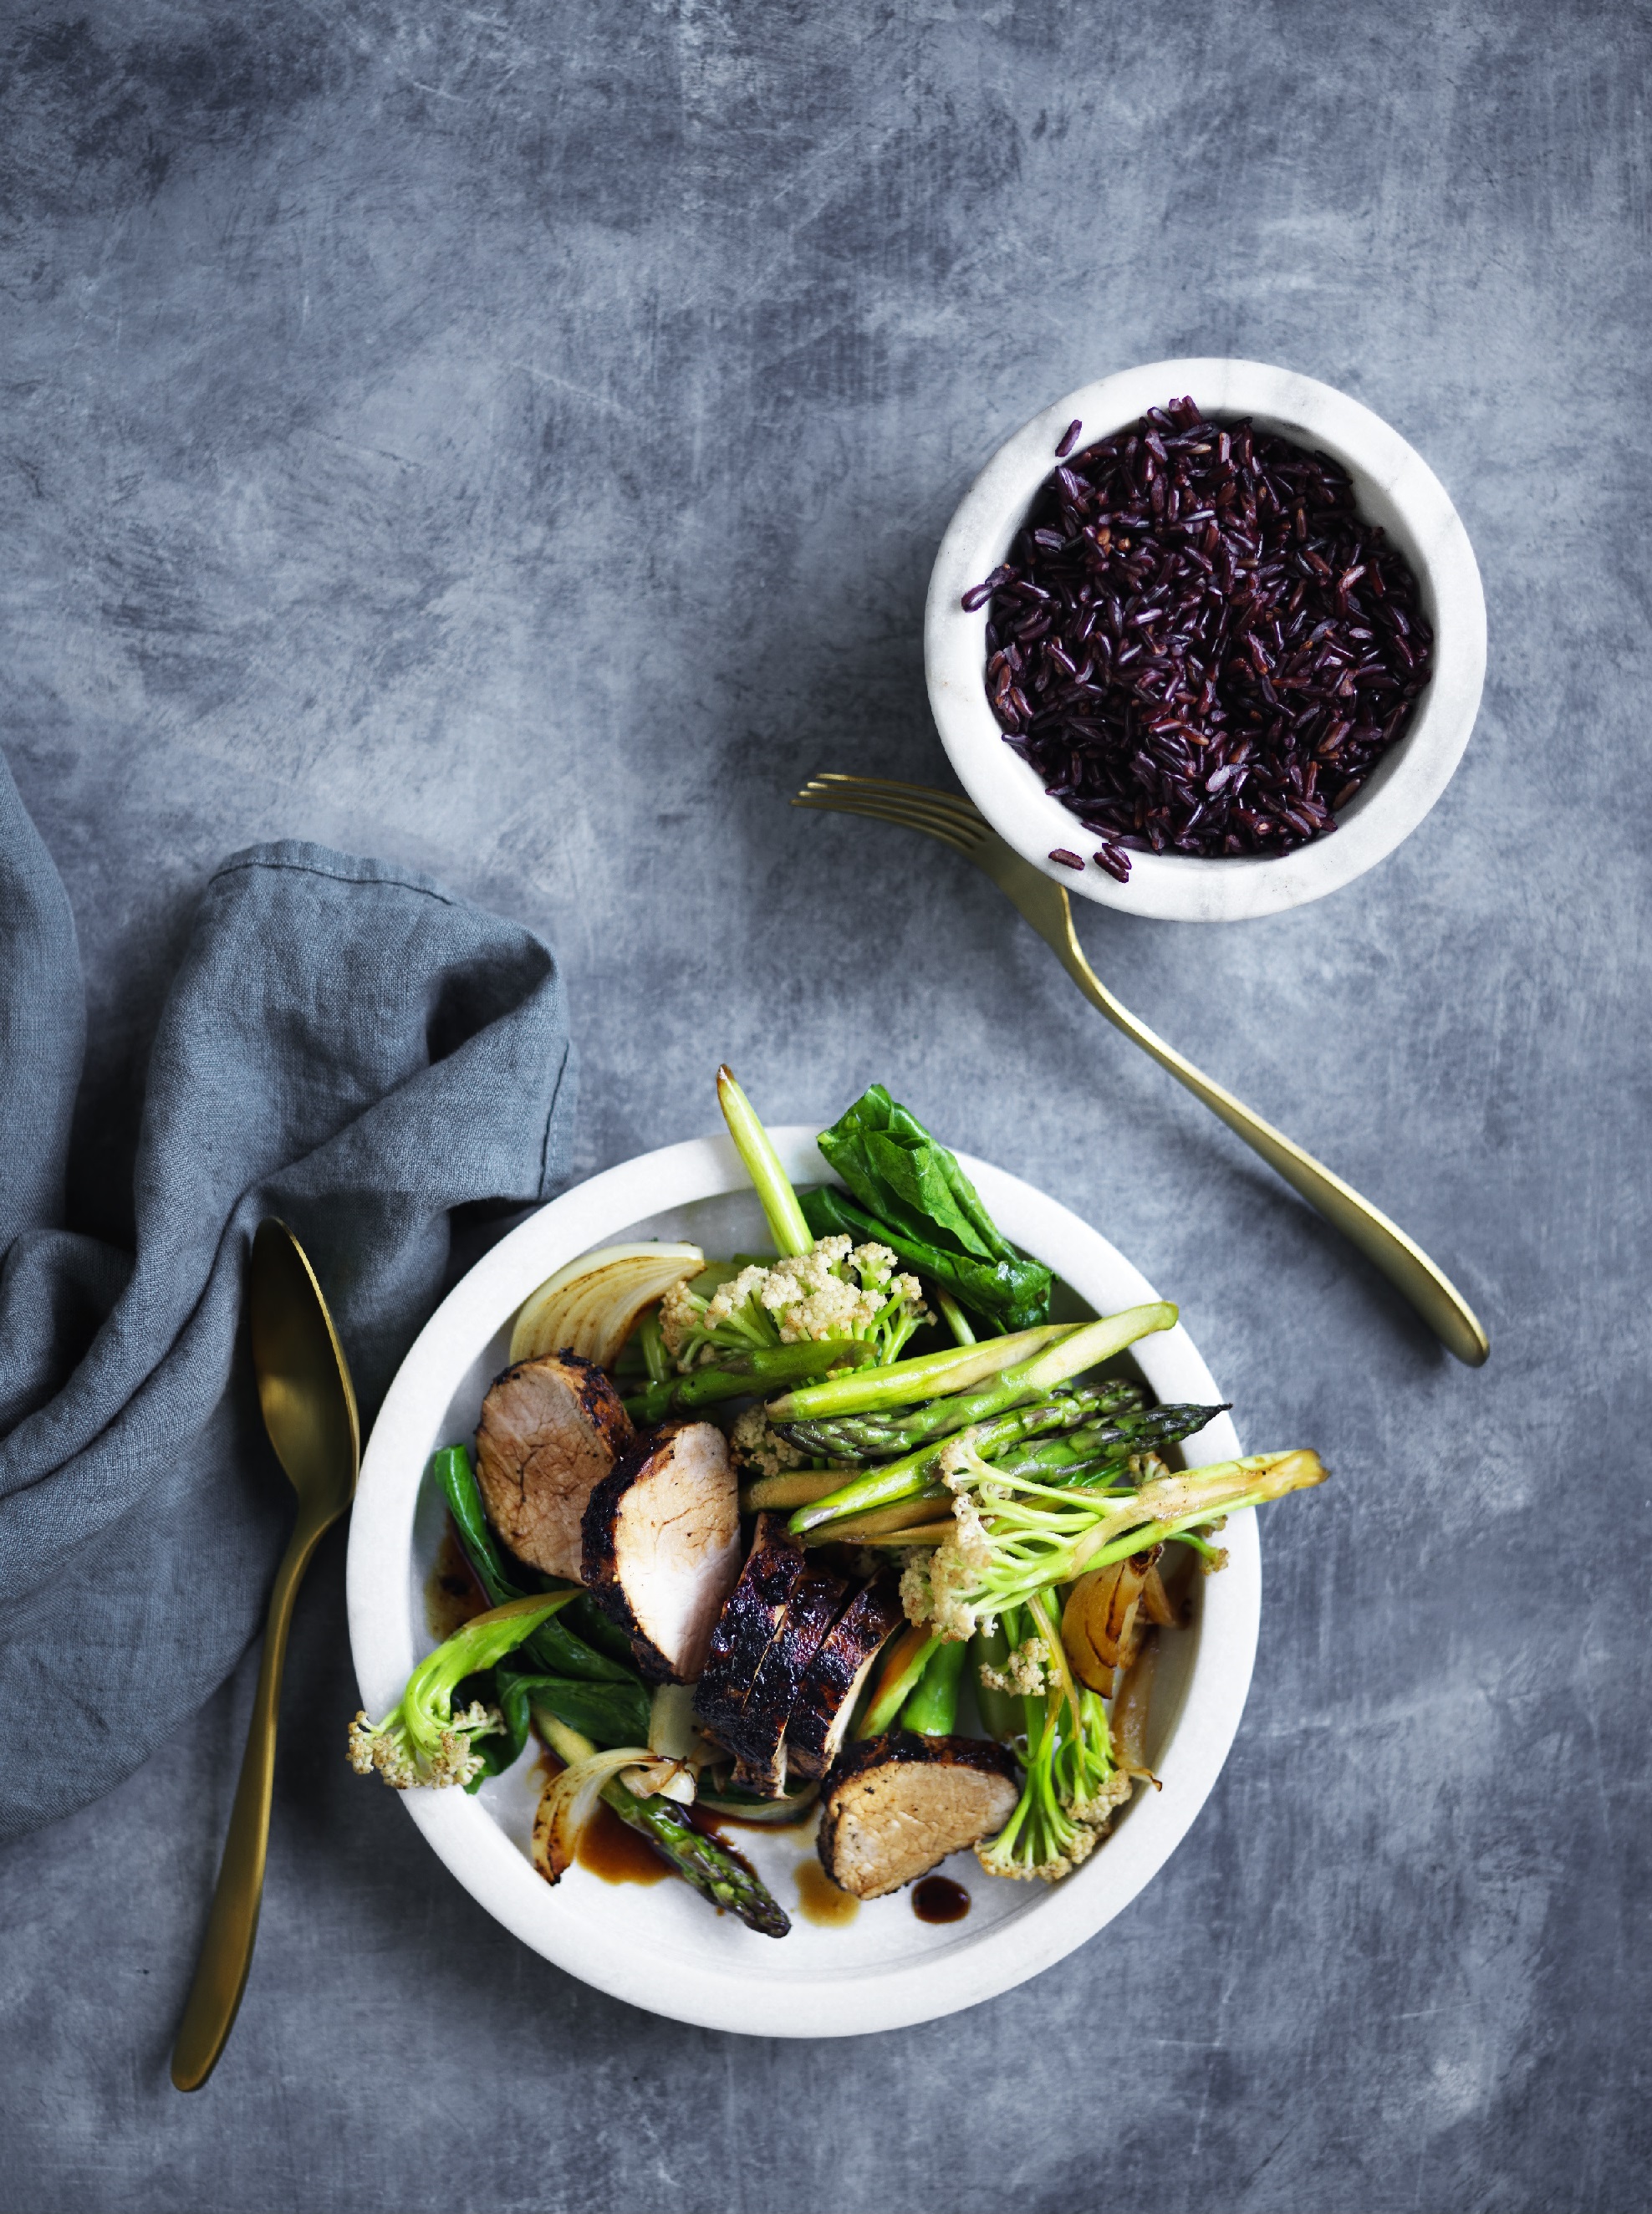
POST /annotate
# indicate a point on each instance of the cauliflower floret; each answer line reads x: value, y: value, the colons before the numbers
x: 832, y: 1291
x: 758, y: 1446
x: 1024, y: 1674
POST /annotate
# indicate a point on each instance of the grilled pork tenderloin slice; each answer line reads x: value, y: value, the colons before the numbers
x: 894, y: 1806
x: 760, y: 1738
x: 549, y: 1433
x: 661, y: 1546
x: 832, y: 1681
x: 747, y: 1626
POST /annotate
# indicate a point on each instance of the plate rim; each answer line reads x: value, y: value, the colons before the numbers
x: 385, y: 1639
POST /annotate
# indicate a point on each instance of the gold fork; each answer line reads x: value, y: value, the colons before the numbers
x: 956, y: 823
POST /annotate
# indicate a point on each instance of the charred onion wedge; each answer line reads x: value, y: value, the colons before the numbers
x: 1099, y: 1627
x: 591, y: 1306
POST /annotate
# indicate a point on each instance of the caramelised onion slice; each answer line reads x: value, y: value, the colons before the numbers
x: 568, y: 1803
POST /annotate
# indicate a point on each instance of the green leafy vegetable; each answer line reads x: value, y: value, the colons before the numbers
x: 607, y: 1714
x: 916, y: 1199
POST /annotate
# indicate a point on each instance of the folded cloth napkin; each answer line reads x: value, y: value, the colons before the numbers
x: 345, y: 1045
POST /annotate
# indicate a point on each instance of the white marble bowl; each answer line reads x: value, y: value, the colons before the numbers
x: 663, y: 1947
x: 1394, y: 486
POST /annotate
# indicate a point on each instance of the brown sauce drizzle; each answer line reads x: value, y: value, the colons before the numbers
x: 611, y: 1850
x: 819, y: 1899
x: 452, y: 1595
x: 937, y: 1899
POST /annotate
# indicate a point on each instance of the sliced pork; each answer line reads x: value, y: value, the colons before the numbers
x: 747, y: 1625
x: 759, y: 1738
x: 894, y: 1806
x: 661, y: 1546
x: 549, y: 1433
x: 832, y: 1681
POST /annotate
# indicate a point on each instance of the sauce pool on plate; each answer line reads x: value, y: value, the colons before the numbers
x: 937, y: 1899
x: 819, y: 1899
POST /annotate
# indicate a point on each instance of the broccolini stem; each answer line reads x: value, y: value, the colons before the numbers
x: 990, y: 1649
x: 791, y: 1233
x: 957, y: 1321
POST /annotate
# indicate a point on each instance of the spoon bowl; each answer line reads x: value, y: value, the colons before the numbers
x: 304, y: 1382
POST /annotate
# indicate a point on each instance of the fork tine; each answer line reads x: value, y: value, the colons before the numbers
x: 891, y: 789
x: 915, y: 806
x: 929, y: 821
x: 876, y: 811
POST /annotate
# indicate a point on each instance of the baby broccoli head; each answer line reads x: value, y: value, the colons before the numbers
x: 435, y: 1750
x: 422, y: 1740
x: 1073, y: 1785
x: 1041, y: 1838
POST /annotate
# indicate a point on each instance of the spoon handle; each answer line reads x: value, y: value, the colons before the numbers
x: 232, y: 1926
x: 1383, y: 1243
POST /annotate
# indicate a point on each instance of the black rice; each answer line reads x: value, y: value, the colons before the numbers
x: 1198, y: 643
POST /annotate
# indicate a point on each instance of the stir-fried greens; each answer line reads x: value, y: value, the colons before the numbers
x: 810, y: 1558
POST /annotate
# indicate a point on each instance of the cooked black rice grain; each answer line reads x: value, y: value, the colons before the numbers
x: 1194, y: 631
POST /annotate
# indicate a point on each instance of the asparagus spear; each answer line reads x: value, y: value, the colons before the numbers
x: 874, y: 1437
x: 1086, y: 1451
x: 901, y: 1479
x: 705, y: 1863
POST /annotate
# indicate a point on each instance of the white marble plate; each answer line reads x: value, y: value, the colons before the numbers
x: 663, y: 1947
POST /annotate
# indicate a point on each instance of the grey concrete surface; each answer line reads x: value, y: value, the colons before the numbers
x: 513, y: 438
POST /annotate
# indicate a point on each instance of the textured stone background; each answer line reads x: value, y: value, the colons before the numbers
x: 514, y: 439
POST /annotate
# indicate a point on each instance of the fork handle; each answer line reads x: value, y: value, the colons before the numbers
x: 1383, y: 1243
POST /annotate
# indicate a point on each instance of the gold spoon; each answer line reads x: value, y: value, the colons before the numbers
x: 310, y: 1411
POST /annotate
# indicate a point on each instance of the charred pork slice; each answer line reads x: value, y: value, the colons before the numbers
x: 661, y: 1546
x: 760, y: 1738
x: 747, y: 1626
x: 550, y: 1431
x: 831, y: 1683
x: 894, y: 1806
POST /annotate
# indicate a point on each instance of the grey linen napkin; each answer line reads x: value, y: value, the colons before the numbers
x: 345, y: 1045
